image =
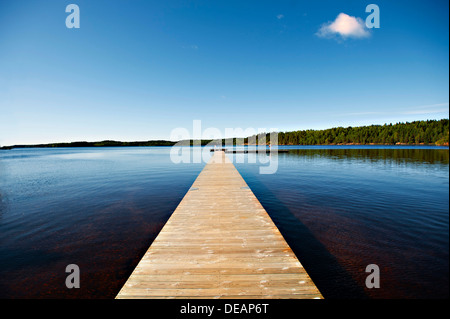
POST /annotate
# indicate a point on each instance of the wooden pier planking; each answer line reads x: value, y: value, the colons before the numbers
x: 219, y: 243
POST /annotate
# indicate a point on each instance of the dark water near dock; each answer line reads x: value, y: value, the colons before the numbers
x: 339, y: 208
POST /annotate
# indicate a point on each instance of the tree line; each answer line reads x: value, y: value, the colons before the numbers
x: 417, y: 132
x: 430, y: 132
x: 105, y: 143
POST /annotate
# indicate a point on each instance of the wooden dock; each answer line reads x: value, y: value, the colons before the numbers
x: 219, y: 243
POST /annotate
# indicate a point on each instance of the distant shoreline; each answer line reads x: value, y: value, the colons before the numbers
x: 203, y: 145
x: 430, y: 132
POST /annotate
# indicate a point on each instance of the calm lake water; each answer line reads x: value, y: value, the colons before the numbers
x: 339, y: 208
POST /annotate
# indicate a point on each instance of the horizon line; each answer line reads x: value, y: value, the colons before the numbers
x: 224, y: 138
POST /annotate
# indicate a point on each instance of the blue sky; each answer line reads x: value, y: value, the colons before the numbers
x: 136, y: 70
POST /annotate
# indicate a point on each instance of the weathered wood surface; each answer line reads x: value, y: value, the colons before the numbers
x: 219, y: 243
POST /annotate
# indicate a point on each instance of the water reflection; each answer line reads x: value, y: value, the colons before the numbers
x: 396, y: 155
x: 342, y: 209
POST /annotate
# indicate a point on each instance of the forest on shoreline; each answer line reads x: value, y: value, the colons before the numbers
x: 430, y: 132
x: 418, y: 132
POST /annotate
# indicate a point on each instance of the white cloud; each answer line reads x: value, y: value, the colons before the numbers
x: 344, y: 26
x: 426, y: 111
x: 280, y: 16
x: 432, y: 105
x: 415, y: 110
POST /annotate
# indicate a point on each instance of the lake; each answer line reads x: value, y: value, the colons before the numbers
x: 340, y: 208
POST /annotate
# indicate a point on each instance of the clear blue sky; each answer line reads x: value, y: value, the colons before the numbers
x: 137, y: 69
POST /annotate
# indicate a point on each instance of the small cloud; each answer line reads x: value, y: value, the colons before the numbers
x: 280, y: 16
x: 432, y: 105
x: 428, y: 109
x: 415, y: 110
x: 344, y: 26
